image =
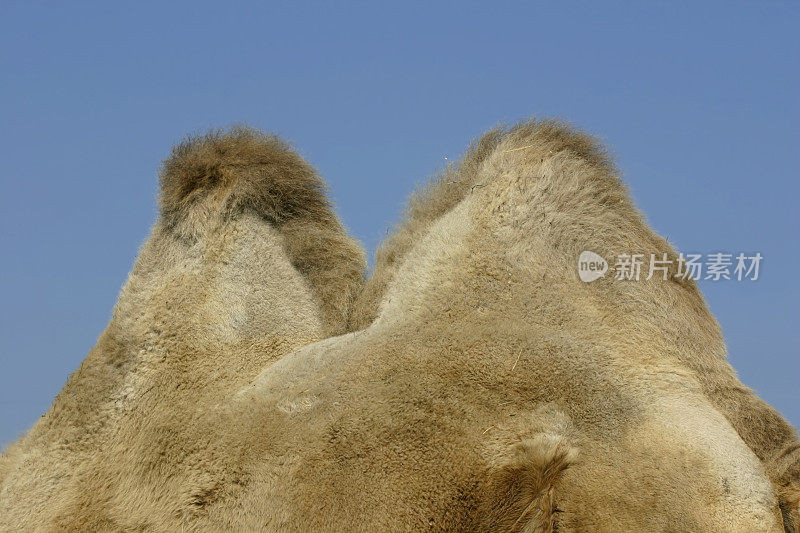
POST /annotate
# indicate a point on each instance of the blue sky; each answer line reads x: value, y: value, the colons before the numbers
x: 699, y: 101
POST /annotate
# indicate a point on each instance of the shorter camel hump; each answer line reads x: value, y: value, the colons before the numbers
x: 524, y: 142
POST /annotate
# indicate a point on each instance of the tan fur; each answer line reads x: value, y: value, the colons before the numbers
x: 240, y: 269
x: 519, y: 496
x: 483, y: 387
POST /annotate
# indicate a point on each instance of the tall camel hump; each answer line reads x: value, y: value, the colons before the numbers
x: 213, y: 178
x: 246, y: 262
x: 237, y: 169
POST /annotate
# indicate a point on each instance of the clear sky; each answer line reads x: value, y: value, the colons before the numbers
x: 700, y: 102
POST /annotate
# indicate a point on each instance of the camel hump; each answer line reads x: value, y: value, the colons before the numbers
x: 581, y: 177
x: 525, y: 145
x: 209, y: 180
x: 227, y: 171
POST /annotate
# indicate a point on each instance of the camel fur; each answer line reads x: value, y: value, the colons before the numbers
x: 252, y: 379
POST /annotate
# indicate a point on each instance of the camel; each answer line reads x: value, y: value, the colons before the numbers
x: 253, y: 379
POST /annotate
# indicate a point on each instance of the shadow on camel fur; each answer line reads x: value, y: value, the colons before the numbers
x: 254, y: 378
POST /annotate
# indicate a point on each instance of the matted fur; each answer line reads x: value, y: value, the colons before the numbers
x: 241, y: 168
x: 223, y: 173
x: 521, y: 494
x: 486, y: 386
